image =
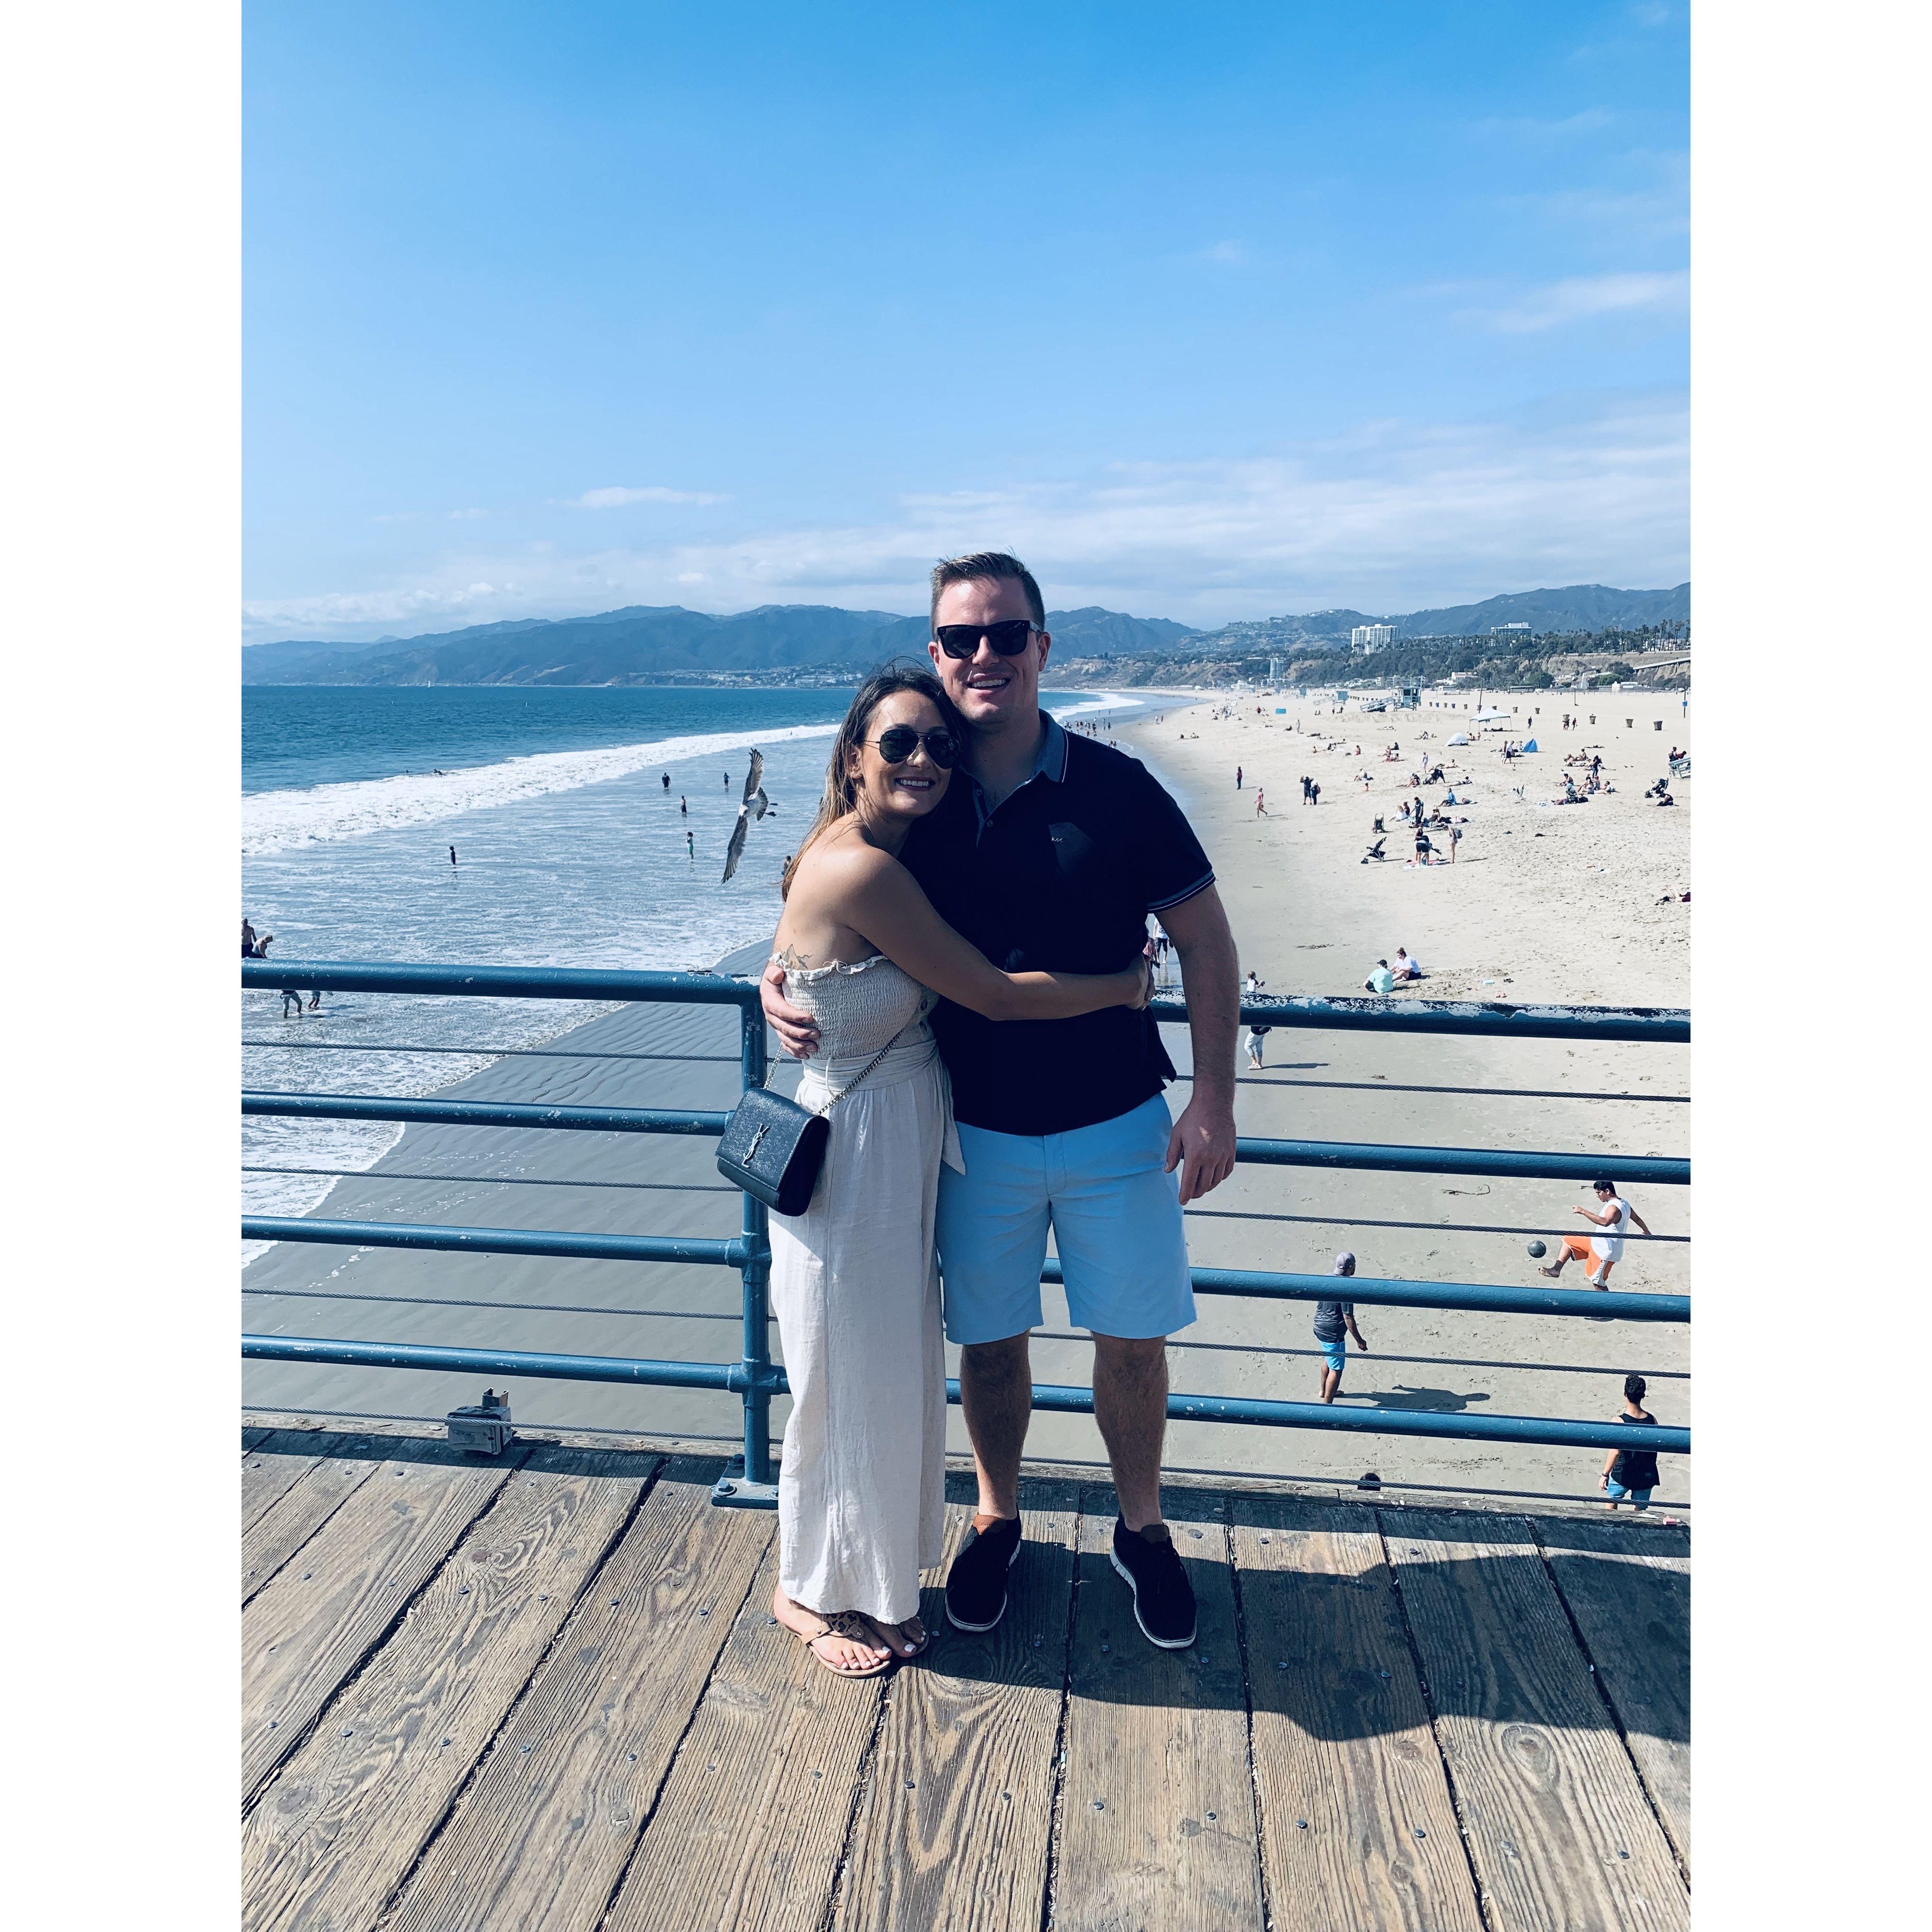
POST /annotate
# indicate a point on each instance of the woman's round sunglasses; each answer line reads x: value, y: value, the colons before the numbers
x: 897, y: 743
x: 1007, y: 637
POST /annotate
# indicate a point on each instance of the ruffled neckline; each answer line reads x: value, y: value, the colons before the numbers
x: 808, y: 974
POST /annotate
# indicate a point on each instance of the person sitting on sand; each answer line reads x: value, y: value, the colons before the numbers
x: 1381, y: 980
x: 1607, y: 1249
x: 1664, y: 798
x: 1404, y: 966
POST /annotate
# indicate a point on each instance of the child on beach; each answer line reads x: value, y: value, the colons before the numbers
x: 1630, y: 1474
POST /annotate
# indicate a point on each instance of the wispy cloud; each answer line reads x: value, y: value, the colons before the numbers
x: 1581, y: 297
x: 1225, y: 252
x: 1398, y: 516
x: 1655, y: 206
x: 616, y: 497
x: 1588, y: 120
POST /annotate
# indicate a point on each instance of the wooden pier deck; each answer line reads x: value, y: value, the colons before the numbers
x: 545, y: 1692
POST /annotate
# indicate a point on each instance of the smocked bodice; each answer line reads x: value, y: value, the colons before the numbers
x: 861, y: 1007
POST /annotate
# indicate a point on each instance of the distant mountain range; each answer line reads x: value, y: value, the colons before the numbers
x: 659, y: 640
x: 1581, y: 606
x: 655, y: 641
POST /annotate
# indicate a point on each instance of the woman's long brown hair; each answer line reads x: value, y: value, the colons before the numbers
x: 842, y: 796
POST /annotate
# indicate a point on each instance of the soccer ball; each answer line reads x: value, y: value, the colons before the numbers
x: 1537, y: 1251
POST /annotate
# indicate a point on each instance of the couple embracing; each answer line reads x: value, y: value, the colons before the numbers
x: 961, y: 967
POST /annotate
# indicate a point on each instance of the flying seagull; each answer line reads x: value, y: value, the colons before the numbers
x: 754, y: 806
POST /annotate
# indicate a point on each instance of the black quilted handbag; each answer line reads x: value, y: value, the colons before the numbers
x: 773, y: 1148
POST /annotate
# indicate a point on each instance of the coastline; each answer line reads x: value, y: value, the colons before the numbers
x: 1299, y: 910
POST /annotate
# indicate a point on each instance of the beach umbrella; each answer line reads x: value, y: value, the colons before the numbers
x: 1458, y: 739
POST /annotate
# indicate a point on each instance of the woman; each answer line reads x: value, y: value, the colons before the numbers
x: 854, y: 1283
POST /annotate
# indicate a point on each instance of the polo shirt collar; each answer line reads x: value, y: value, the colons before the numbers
x: 1049, y: 762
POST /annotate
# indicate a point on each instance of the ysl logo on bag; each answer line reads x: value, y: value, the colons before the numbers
x: 751, y: 1152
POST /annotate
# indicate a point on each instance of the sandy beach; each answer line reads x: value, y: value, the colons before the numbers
x: 1544, y: 903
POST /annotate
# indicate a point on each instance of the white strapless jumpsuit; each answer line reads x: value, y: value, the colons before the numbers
x: 855, y: 1287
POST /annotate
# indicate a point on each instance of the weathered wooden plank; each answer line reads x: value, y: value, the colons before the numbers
x: 1157, y: 1825
x: 747, y: 1833
x: 544, y: 1833
x: 338, y: 1827
x: 317, y: 1620
x: 954, y: 1829
x: 287, y: 1523
x: 279, y: 1461
x: 1629, y: 1590
x: 1358, y: 1829
x: 1559, y: 1831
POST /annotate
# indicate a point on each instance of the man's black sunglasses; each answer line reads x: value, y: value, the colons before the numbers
x: 899, y: 742
x: 1008, y: 637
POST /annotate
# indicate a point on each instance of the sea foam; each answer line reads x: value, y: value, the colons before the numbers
x: 273, y: 821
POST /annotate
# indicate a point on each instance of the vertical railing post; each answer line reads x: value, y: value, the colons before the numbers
x: 750, y: 1485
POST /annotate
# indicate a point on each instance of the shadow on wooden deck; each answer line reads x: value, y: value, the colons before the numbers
x: 546, y: 1692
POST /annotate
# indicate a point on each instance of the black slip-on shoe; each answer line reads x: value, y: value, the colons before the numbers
x: 976, y: 1586
x: 1163, y: 1598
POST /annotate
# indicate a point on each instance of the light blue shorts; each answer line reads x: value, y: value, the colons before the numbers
x: 1335, y: 1354
x: 1114, y: 1216
x: 1618, y: 1493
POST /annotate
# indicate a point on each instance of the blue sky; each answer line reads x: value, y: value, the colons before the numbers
x: 1209, y: 312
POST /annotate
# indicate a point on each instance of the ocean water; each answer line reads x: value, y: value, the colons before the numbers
x: 570, y: 851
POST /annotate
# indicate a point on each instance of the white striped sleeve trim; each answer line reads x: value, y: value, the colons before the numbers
x: 1200, y: 885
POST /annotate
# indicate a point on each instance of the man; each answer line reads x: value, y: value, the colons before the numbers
x: 1612, y: 1214
x: 1334, y: 1321
x: 1250, y: 988
x: 1380, y: 979
x: 1630, y: 1474
x: 1052, y: 855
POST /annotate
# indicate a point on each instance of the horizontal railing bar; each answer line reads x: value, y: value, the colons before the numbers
x: 1470, y: 1297
x: 501, y: 982
x: 540, y: 1367
x: 388, y: 1174
x: 1496, y: 1162
x: 1401, y: 1086
x: 1244, y: 1214
x: 547, y: 1242
x: 731, y: 1376
x: 533, y: 1053
x: 1355, y: 1154
x: 1496, y: 1017
x: 484, y: 1113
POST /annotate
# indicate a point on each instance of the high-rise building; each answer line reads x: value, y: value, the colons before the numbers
x: 1368, y: 637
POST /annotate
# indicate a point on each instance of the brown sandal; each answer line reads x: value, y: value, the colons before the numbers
x: 855, y: 1629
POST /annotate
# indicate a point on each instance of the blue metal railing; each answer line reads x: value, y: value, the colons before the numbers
x: 755, y: 1379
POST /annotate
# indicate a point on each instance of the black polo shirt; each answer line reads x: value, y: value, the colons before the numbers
x: 1060, y: 878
